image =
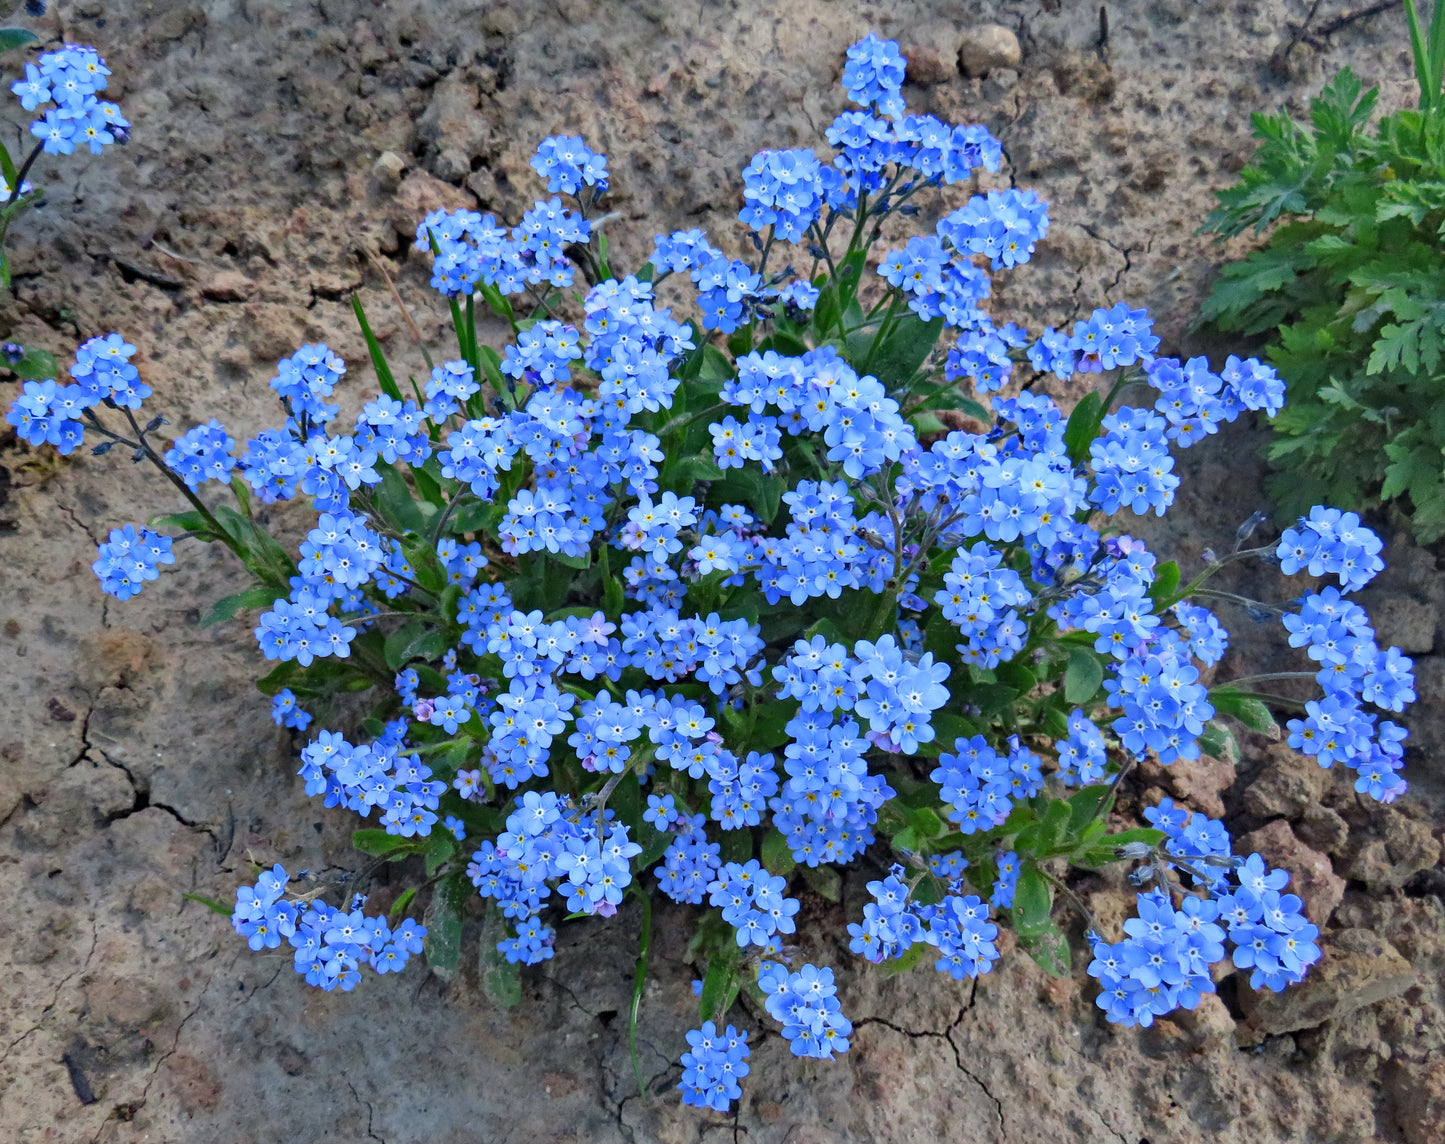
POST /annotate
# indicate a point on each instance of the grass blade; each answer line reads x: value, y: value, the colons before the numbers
x: 378, y: 358
x: 639, y: 983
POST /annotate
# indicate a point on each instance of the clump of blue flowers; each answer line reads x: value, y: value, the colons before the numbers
x: 723, y: 599
x: 64, y: 87
x: 71, y: 79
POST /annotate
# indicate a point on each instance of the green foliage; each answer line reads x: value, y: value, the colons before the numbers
x: 1349, y: 289
x: 35, y: 365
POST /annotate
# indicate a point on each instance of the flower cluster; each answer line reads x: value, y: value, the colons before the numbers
x: 1164, y: 962
x: 47, y: 413
x: 129, y: 558
x: 70, y: 78
x: 549, y: 839
x: 1336, y: 634
x: 805, y: 1003
x: 982, y: 785
x: 712, y: 1067
x: 330, y: 945
x: 633, y: 604
x: 376, y: 777
x: 959, y: 926
x: 1331, y: 542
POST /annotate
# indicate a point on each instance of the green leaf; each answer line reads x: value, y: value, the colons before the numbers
x: 1054, y: 825
x: 911, y: 957
x: 639, y: 981
x: 1137, y: 834
x: 613, y: 597
x: 761, y: 492
x: 1085, y: 806
x: 398, y: 907
x: 501, y: 979
x: 10, y: 39
x: 1416, y: 470
x: 689, y: 470
x: 1245, y: 296
x: 736, y: 845
x: 1340, y: 110
x: 384, y: 376
x: 185, y: 522
x: 1083, y: 426
x: 36, y: 365
x: 1084, y: 676
x: 1420, y: 50
x: 242, y: 492
x: 1166, y: 581
x: 397, y: 503
x: 380, y: 844
x: 626, y: 803
x: 278, y: 677
x: 413, y: 640
x: 497, y: 301
x: 1050, y: 950
x: 441, y: 845
x: 720, y: 986
x: 1106, y: 849
x: 579, y: 563
x: 210, y: 903
x: 906, y: 347
x: 1216, y: 741
x: 823, y: 881
x: 776, y: 855
x: 257, y: 596
x: 654, y: 845
x: 1411, y: 346
x: 443, y: 921
x: 1032, y: 902
x: 926, y: 824
x: 1246, y: 708
x: 491, y: 363
x: 1017, y: 676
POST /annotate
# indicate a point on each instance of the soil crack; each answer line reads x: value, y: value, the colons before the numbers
x: 370, y: 1112
x: 55, y: 996
x: 1122, y: 251
x: 946, y: 1036
x: 142, y: 801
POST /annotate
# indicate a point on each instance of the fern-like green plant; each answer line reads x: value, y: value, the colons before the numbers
x: 1350, y: 283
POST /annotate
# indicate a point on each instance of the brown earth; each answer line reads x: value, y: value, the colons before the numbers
x: 278, y: 149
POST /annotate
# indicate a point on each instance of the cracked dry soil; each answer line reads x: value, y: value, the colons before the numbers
x: 137, y: 762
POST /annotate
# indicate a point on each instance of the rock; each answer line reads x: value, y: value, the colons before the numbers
x: 228, y: 286
x: 419, y: 194
x: 1198, y: 782
x: 1388, y: 863
x: 452, y: 164
x: 987, y: 47
x: 932, y: 52
x: 1358, y: 969
x: 388, y: 169
x: 1311, y: 876
x: 176, y: 23
x: 500, y: 20
x: 1288, y: 785
x: 1417, y: 1091
x: 1323, y: 829
x: 456, y: 131
x: 1404, y: 623
x: 1000, y: 82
